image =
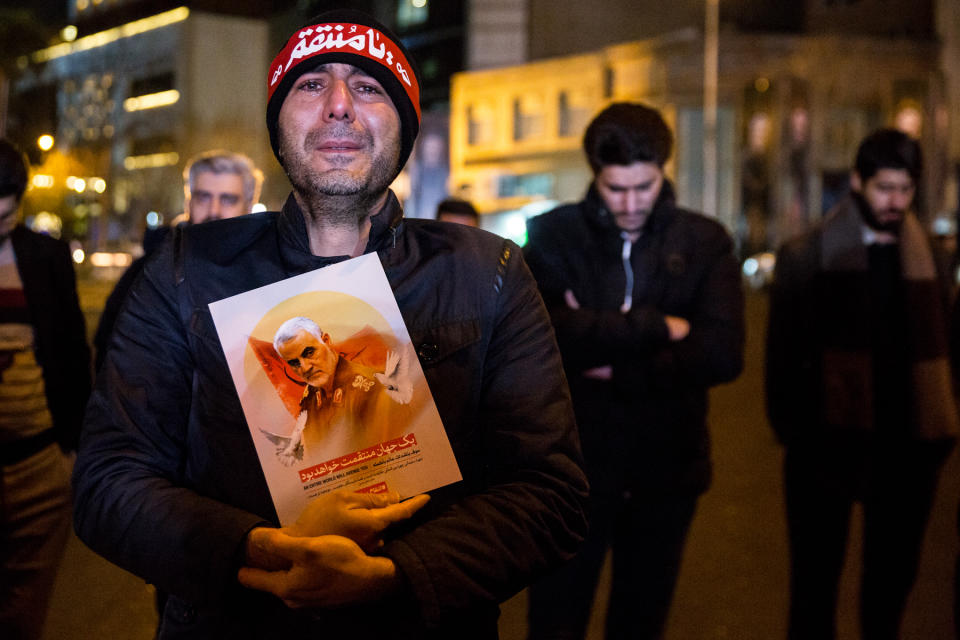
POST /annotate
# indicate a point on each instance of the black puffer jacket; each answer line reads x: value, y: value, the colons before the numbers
x: 646, y: 429
x: 168, y: 482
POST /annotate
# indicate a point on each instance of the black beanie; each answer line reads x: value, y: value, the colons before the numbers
x: 354, y: 38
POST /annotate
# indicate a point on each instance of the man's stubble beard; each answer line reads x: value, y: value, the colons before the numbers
x: 339, y: 196
x: 872, y: 219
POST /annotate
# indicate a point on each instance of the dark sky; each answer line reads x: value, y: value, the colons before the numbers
x: 54, y: 11
x: 26, y: 25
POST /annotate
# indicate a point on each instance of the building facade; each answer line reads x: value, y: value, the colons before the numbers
x: 797, y: 89
x: 130, y: 105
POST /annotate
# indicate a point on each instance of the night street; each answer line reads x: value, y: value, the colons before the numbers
x: 625, y: 162
x: 734, y: 578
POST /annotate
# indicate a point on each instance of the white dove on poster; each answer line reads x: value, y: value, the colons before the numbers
x: 289, y: 448
x: 396, y: 377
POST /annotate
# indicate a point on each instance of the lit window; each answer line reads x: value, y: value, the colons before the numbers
x: 151, y: 100
x: 480, y: 124
x: 759, y: 131
x: 909, y: 119
x: 575, y: 110
x: 527, y: 185
x: 528, y: 117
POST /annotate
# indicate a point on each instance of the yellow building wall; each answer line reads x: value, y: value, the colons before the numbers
x: 499, y: 103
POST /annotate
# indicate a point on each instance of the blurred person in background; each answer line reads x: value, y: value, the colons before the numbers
x: 219, y: 184
x: 458, y: 211
x: 216, y: 184
x: 44, y: 385
x: 859, y: 390
x: 647, y: 304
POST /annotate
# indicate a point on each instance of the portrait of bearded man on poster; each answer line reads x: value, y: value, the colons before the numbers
x: 345, y: 396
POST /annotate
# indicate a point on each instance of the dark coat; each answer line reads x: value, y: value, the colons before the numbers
x: 820, y: 349
x: 152, y: 238
x: 50, y: 287
x: 168, y: 482
x: 646, y: 430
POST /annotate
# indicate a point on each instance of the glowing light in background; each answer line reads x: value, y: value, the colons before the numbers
x: 45, y: 142
x: 513, y: 224
x: 42, y: 181
x: 151, y: 161
x: 98, y: 184
x: 758, y: 269
x: 68, y: 33
x: 105, y: 259
x: 257, y: 208
x: 943, y: 226
x: 153, y: 219
x: 759, y: 133
x: 909, y: 119
x: 111, y: 35
x: 48, y: 223
x: 79, y: 256
x: 516, y: 227
x: 77, y: 184
x: 151, y: 100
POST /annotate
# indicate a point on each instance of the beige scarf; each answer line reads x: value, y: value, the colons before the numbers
x: 934, y: 406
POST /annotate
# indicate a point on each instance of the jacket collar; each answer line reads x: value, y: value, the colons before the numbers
x: 597, y: 214
x: 295, y: 244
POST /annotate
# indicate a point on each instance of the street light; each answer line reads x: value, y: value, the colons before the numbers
x: 45, y: 142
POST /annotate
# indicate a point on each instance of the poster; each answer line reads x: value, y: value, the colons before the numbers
x: 331, y: 387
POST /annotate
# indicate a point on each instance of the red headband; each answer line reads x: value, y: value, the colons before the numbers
x: 361, y: 40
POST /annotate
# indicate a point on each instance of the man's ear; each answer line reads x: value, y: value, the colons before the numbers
x: 856, y: 184
x: 326, y: 338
